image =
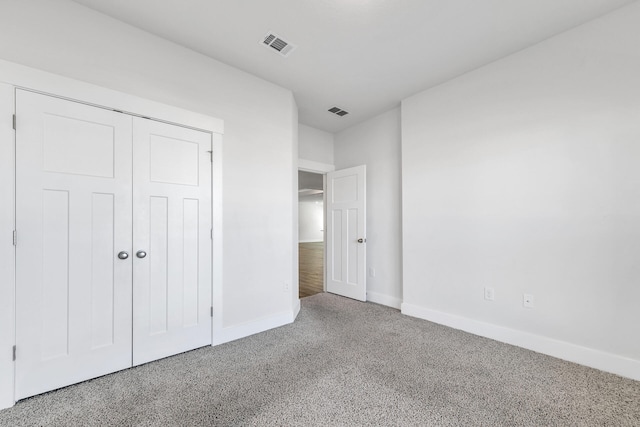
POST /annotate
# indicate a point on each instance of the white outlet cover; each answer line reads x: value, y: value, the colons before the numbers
x: 489, y: 294
x: 527, y: 300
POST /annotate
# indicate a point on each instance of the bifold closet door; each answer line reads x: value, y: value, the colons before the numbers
x: 113, y: 255
x: 172, y: 240
x: 73, y: 217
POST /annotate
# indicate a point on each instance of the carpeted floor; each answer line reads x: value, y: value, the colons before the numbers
x: 345, y: 363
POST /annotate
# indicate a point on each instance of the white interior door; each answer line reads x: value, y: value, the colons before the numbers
x: 346, y: 233
x: 73, y: 216
x: 172, y: 225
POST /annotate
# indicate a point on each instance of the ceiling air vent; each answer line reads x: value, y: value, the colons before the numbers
x: 276, y: 42
x: 338, y: 111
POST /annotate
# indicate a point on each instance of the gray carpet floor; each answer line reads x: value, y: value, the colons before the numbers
x: 345, y: 363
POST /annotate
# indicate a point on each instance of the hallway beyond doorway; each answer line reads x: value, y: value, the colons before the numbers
x: 311, y: 263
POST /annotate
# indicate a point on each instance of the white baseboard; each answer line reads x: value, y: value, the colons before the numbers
x: 608, y: 362
x: 7, y: 402
x: 384, y: 299
x: 243, y: 330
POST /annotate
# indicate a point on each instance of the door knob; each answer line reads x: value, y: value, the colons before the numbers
x: 123, y: 255
x: 362, y: 240
x: 141, y: 254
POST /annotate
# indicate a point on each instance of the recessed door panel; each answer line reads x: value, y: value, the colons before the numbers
x: 335, y: 228
x: 73, y: 214
x: 54, y: 297
x: 353, y: 246
x: 157, y: 262
x: 345, y: 189
x: 190, y: 260
x: 76, y: 146
x: 173, y: 161
x: 172, y: 222
x: 103, y: 285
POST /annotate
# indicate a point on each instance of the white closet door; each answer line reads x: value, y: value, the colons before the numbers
x: 73, y: 216
x: 172, y: 223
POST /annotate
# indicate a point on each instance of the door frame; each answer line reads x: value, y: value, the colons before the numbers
x: 322, y: 169
x: 13, y: 76
x: 7, y: 250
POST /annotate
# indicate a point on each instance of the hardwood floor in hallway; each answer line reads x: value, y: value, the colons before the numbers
x: 311, y: 265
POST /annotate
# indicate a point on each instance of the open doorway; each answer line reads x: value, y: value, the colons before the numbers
x: 311, y: 222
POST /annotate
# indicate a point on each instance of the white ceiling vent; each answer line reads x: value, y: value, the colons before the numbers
x: 277, y: 43
x: 338, y: 111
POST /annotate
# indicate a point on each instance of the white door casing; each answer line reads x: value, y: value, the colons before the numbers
x: 346, y: 233
x: 73, y: 213
x: 7, y: 250
x: 172, y: 224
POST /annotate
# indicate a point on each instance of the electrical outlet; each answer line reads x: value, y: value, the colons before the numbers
x: 372, y: 272
x: 527, y: 301
x: 286, y: 286
x: 489, y: 294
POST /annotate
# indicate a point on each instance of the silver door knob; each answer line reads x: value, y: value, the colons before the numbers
x: 141, y: 254
x: 361, y: 240
x: 123, y: 255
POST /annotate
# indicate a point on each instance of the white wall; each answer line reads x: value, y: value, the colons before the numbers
x: 315, y: 148
x: 376, y: 143
x: 524, y: 176
x: 260, y: 136
x: 311, y: 219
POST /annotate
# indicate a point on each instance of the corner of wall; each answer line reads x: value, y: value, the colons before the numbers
x: 376, y: 143
x: 383, y: 299
x: 315, y: 147
x: 243, y: 330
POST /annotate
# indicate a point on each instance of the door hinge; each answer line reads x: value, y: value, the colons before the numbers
x: 211, y: 155
x: 211, y: 234
x: 211, y: 311
x: 14, y: 353
x: 15, y: 238
x: 14, y: 122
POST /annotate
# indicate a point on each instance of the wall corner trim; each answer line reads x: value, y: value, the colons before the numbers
x: 243, y: 330
x: 608, y: 362
x: 383, y: 299
x: 296, y: 309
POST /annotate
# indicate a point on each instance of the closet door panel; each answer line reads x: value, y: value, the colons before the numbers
x: 73, y: 216
x: 172, y: 223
